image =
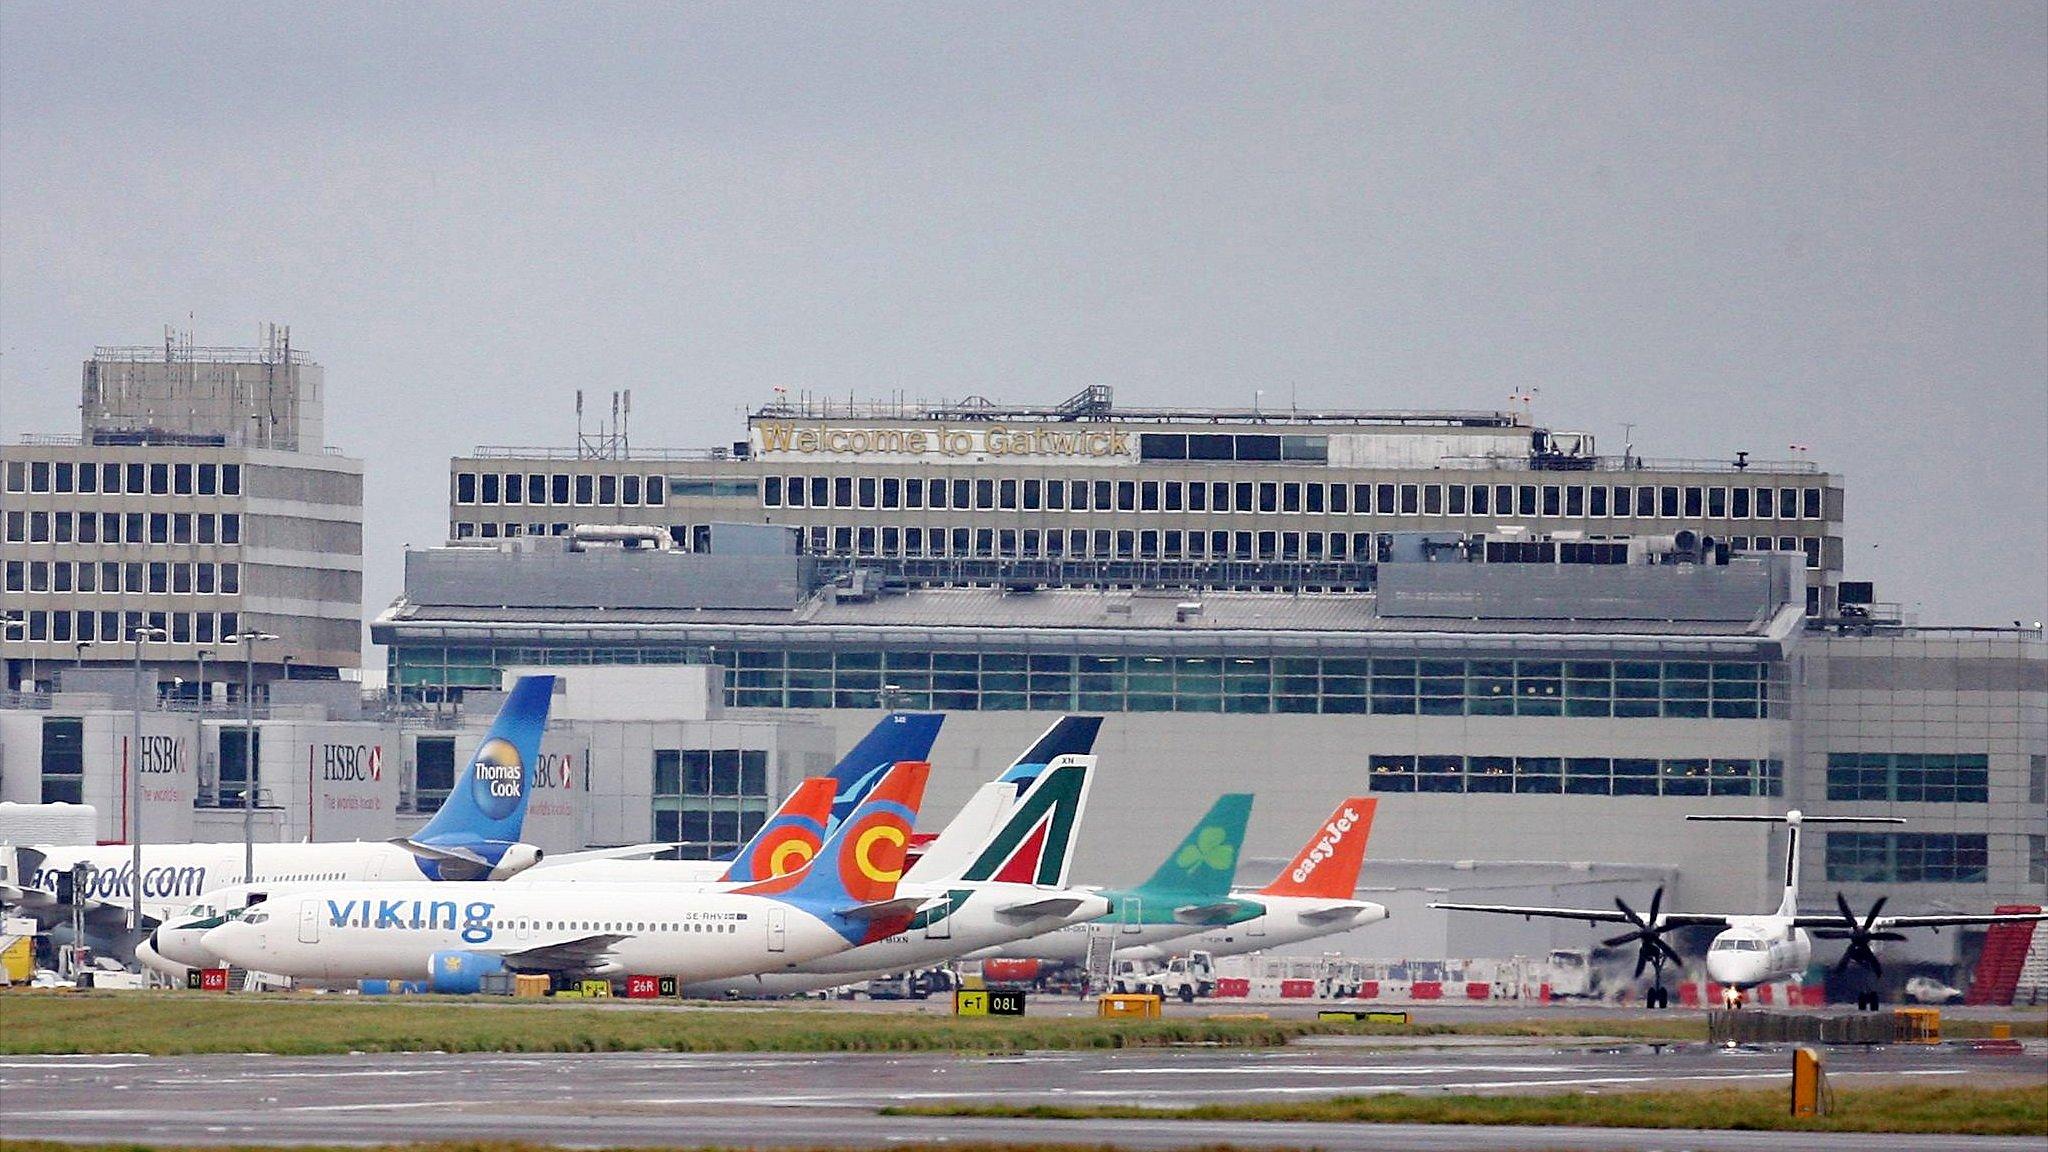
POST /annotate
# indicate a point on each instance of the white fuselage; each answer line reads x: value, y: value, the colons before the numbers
x: 972, y: 923
x: 1758, y: 950
x: 175, y: 875
x: 393, y: 930
x: 1287, y: 920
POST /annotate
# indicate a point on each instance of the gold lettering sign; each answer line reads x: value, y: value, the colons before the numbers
x: 781, y: 438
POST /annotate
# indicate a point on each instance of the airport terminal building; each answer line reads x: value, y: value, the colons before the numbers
x: 1541, y: 658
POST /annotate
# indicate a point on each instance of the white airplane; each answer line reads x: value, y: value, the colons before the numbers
x: 1315, y: 895
x: 474, y: 835
x: 1012, y: 886
x: 790, y: 836
x: 456, y: 933
x: 1752, y: 949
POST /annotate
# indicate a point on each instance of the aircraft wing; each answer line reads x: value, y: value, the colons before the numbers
x: 883, y: 909
x: 1220, y: 912
x: 1592, y: 915
x: 621, y: 852
x: 1336, y: 910
x: 437, y: 852
x: 581, y: 953
x: 1886, y: 922
x: 1043, y: 906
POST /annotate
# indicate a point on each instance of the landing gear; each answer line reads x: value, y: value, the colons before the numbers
x: 1869, y: 1001
x: 1659, y: 997
x: 1732, y: 999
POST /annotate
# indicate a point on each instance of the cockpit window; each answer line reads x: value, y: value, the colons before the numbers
x: 256, y: 918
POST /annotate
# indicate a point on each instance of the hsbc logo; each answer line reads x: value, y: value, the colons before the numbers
x: 554, y: 770
x: 162, y: 756
x: 352, y: 762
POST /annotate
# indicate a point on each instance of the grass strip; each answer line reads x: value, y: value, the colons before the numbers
x: 1904, y: 1108
x: 511, y: 1146
x: 519, y: 1146
x: 178, y: 1023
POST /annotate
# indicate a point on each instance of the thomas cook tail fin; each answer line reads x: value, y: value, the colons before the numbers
x: 791, y: 838
x: 1327, y: 866
x: 481, y: 820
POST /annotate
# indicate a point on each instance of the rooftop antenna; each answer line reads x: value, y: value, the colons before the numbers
x: 1628, y: 445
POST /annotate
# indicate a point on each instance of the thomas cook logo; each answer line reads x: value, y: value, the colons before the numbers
x: 1211, y: 848
x: 497, y: 778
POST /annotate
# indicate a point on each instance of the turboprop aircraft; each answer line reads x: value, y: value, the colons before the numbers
x: 474, y: 835
x: 1756, y: 949
x: 1189, y: 892
x: 1013, y: 886
x: 455, y: 934
x: 1315, y: 895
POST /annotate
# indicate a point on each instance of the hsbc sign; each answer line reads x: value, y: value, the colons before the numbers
x: 351, y: 762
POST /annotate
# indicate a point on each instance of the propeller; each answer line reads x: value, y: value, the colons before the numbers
x: 1649, y: 934
x: 1859, y: 935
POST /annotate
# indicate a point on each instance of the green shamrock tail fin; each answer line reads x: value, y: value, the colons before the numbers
x: 1206, y: 862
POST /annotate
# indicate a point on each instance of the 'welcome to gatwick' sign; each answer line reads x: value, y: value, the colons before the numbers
x: 946, y: 444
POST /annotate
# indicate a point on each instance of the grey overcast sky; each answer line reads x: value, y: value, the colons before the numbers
x: 1734, y: 226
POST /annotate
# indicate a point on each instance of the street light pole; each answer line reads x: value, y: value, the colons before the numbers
x: 248, y: 642
x: 140, y: 634
x: 199, y: 718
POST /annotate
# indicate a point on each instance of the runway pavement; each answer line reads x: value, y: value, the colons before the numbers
x: 830, y: 1099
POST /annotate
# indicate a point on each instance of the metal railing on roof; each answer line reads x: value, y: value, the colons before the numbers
x: 522, y: 452
x: 1541, y: 463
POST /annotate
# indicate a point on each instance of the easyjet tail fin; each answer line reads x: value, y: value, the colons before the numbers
x: 1327, y: 866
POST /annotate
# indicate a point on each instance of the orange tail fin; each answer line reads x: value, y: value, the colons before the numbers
x: 1327, y: 865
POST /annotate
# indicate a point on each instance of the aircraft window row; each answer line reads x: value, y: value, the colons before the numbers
x: 1911, y: 777
x: 1907, y: 858
x: 720, y: 927
x: 900, y: 542
x: 63, y: 477
x: 766, y: 677
x: 209, y: 528
x: 114, y: 578
x: 1577, y: 775
x: 1556, y: 501
x: 566, y: 489
x: 108, y: 627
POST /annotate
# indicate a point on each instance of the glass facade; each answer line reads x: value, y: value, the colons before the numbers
x: 1907, y: 858
x: 994, y: 681
x: 711, y: 800
x: 1577, y: 775
x: 1911, y: 777
x: 63, y: 760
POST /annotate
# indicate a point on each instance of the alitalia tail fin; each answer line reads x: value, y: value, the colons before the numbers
x: 1327, y: 866
x: 1206, y: 862
x: 1035, y: 844
x: 791, y: 837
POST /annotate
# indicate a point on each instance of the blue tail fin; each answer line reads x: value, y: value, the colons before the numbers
x: 898, y: 738
x: 1068, y: 736
x: 486, y: 810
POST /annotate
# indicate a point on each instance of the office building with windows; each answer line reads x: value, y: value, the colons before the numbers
x: 1094, y: 493
x: 197, y: 497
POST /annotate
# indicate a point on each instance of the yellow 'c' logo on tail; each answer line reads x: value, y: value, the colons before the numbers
x: 863, y: 849
x: 789, y: 856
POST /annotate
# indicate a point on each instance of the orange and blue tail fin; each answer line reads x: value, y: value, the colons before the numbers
x: 860, y: 861
x: 791, y: 838
x: 1327, y: 866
